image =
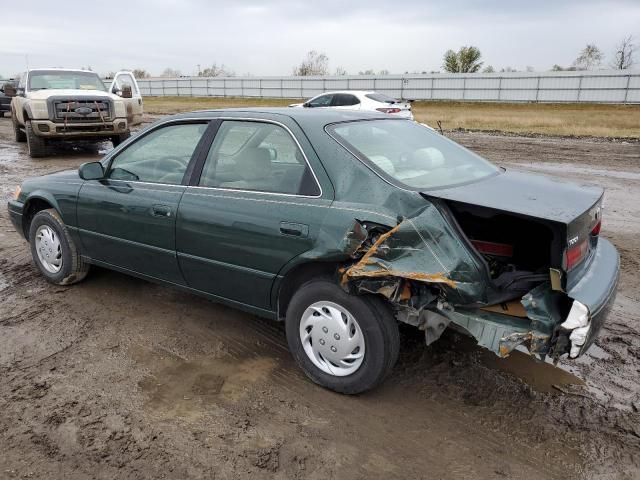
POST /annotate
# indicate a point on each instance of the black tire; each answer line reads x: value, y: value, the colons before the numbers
x: 19, y: 134
x: 379, y: 329
x: 118, y: 139
x: 37, y: 145
x: 73, y: 268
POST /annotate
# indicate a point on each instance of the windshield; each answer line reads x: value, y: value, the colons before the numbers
x: 413, y: 155
x: 55, y: 80
x: 380, y: 97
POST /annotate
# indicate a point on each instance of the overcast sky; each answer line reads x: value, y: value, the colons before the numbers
x: 270, y: 37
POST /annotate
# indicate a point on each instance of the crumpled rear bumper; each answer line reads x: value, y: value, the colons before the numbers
x: 597, y: 288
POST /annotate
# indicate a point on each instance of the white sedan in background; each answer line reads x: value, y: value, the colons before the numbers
x: 359, y: 100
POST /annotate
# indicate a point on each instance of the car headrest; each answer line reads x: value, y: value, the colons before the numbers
x: 383, y: 163
x: 254, y: 163
x: 429, y: 157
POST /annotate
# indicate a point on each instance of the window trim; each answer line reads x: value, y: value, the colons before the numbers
x: 169, y: 123
x: 197, y: 173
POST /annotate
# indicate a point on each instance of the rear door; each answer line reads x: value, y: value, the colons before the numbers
x: 133, y: 104
x: 127, y: 219
x: 255, y: 205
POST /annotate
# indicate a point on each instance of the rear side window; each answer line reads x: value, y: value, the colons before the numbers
x: 345, y: 100
x: 161, y: 156
x: 258, y: 156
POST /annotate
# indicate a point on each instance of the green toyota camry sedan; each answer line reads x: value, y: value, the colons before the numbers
x: 341, y: 224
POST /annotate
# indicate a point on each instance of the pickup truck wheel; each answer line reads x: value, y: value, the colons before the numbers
x: 36, y: 145
x: 54, y: 251
x: 118, y: 139
x: 343, y: 342
x: 19, y: 134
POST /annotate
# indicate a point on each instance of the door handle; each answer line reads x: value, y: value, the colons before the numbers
x: 294, y: 229
x: 161, y: 211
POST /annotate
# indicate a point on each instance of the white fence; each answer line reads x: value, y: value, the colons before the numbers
x: 613, y: 86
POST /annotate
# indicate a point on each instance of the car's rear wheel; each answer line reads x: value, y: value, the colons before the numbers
x: 37, y: 145
x: 18, y: 133
x: 53, y: 249
x: 343, y: 342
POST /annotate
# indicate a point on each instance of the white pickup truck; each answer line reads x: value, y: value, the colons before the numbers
x: 51, y: 105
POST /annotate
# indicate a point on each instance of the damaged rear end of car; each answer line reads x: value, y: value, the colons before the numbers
x: 512, y: 259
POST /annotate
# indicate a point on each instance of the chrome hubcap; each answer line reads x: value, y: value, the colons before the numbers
x: 49, y: 249
x: 332, y: 339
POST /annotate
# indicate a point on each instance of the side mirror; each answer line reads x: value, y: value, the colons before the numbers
x: 306, y: 105
x: 9, y: 90
x: 91, y: 171
x: 126, y: 92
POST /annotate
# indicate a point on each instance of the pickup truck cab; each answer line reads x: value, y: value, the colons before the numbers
x: 51, y: 105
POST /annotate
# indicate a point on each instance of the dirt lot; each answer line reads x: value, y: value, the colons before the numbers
x: 119, y: 378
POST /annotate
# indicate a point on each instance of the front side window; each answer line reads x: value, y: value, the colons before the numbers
x: 161, y: 156
x: 247, y: 155
x: 411, y: 154
x: 60, y: 79
x: 321, y: 101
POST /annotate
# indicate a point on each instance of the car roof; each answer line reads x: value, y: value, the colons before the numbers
x: 306, y: 118
x: 60, y: 69
x: 353, y: 92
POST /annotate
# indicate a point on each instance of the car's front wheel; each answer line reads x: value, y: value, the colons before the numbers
x: 343, y: 342
x: 36, y: 145
x: 118, y: 139
x: 53, y: 249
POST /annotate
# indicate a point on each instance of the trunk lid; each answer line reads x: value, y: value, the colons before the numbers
x: 571, y: 210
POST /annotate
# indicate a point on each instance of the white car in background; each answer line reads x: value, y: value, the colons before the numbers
x: 359, y: 100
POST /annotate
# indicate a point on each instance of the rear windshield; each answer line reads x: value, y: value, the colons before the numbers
x: 411, y: 154
x: 380, y: 97
x: 56, y: 80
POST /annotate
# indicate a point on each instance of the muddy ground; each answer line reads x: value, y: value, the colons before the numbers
x: 119, y: 378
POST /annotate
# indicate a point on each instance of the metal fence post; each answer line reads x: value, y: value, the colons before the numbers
x: 224, y: 87
x: 579, y: 88
x: 626, y: 90
x: 538, y: 89
x: 242, y: 87
x: 464, y: 87
x: 500, y: 87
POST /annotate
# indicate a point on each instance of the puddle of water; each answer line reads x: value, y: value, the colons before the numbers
x: 541, y: 376
x: 188, y: 388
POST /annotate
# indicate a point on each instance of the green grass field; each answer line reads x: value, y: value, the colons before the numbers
x: 523, y: 118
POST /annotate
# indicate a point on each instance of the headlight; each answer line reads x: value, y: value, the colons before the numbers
x: 39, y: 109
x: 16, y: 193
x: 120, y: 111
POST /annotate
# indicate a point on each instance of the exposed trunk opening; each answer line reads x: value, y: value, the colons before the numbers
x: 518, y: 250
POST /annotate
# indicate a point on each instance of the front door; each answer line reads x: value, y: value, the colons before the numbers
x: 255, y: 206
x: 128, y: 219
x: 133, y: 104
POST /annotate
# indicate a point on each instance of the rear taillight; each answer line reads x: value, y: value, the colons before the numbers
x: 595, y: 231
x: 492, y: 248
x: 388, y: 110
x: 574, y: 255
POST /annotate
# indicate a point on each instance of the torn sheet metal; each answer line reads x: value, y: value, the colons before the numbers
x: 420, y: 248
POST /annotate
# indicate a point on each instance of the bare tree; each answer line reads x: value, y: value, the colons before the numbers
x: 465, y: 60
x: 340, y: 72
x: 384, y: 71
x: 140, y: 73
x: 171, y: 73
x: 508, y: 69
x: 488, y: 69
x: 368, y: 71
x: 315, y: 63
x: 623, y: 58
x: 215, y: 70
x: 557, y: 68
x: 590, y: 57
